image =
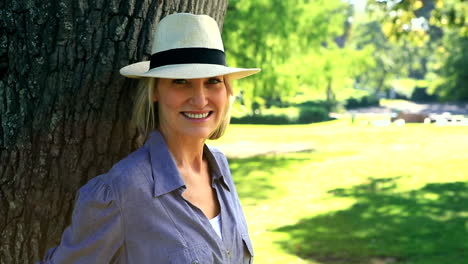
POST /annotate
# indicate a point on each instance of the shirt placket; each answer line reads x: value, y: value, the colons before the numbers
x: 227, y: 223
x: 206, y: 226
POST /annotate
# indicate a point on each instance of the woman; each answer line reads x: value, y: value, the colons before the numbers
x: 173, y: 200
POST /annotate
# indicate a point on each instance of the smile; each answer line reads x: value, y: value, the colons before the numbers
x: 197, y: 116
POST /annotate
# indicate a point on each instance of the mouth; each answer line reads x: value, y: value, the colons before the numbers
x: 193, y: 115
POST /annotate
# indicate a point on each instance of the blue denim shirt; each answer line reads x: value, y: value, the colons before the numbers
x: 136, y: 214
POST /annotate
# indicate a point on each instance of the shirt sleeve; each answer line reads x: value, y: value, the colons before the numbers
x: 95, y: 234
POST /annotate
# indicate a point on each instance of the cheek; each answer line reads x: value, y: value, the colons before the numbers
x: 171, y: 100
x: 222, y: 98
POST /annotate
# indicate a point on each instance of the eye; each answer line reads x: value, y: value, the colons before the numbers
x: 179, y: 81
x: 214, y: 80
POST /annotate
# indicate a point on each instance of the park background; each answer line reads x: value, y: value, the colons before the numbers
x: 384, y: 181
x: 349, y: 146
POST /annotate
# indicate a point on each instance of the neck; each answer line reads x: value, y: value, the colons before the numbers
x: 187, y: 152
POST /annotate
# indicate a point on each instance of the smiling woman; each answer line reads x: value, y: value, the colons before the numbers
x: 173, y: 200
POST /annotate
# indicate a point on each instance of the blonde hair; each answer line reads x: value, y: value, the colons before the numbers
x: 145, y: 111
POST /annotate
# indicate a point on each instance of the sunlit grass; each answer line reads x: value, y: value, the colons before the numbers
x: 354, y: 194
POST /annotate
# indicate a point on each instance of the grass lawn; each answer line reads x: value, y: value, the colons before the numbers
x: 353, y: 193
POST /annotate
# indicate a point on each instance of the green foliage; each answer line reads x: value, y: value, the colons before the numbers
x: 294, y: 44
x: 305, y: 113
x: 449, y: 75
x: 438, y: 28
x: 451, y: 14
x: 264, y: 119
x: 364, y: 101
x: 420, y: 94
x: 399, y: 17
x: 312, y: 114
x: 332, y: 67
x: 393, y: 60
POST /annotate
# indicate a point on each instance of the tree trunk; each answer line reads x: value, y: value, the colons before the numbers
x: 331, y: 98
x: 64, y: 108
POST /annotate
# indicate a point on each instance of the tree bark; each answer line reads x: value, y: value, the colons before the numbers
x: 64, y: 108
x: 331, y: 98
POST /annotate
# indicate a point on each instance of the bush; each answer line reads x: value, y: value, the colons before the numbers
x: 312, y: 114
x: 364, y: 101
x: 327, y: 106
x: 263, y: 119
x: 352, y: 103
x: 420, y: 95
x: 305, y: 115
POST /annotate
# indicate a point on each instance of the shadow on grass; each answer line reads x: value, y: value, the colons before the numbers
x: 253, y: 176
x: 424, y: 226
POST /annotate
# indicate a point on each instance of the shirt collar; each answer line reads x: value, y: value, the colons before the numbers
x: 166, y: 176
x: 214, y: 162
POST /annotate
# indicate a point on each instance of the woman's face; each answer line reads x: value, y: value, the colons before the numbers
x: 190, y: 107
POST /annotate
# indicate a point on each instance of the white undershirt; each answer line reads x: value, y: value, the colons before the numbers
x: 216, y: 223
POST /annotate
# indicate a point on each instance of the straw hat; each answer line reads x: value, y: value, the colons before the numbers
x: 186, y: 46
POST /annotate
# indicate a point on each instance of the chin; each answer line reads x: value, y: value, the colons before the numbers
x: 199, y: 133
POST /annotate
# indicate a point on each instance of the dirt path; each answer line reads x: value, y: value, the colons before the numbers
x: 244, y: 149
x: 411, y: 107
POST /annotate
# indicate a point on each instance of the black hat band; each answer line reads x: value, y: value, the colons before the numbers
x: 187, y: 55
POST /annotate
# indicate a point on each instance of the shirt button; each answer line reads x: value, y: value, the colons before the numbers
x: 228, y: 253
x: 195, y: 262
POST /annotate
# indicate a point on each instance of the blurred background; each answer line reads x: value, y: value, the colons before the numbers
x: 351, y: 145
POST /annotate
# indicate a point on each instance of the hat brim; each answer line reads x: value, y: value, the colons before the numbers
x: 185, y: 71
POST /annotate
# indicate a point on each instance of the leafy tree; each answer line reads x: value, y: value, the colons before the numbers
x: 393, y: 59
x: 443, y: 28
x: 448, y: 74
x: 294, y: 44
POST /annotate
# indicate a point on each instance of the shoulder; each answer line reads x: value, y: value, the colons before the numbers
x: 217, y: 153
x: 135, y: 164
x: 220, y: 158
x: 223, y: 165
x: 132, y: 172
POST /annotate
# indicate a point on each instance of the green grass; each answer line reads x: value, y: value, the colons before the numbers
x: 355, y: 194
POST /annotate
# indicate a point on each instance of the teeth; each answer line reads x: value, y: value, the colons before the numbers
x: 196, y: 115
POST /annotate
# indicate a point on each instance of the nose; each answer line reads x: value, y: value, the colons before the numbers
x: 198, y: 97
